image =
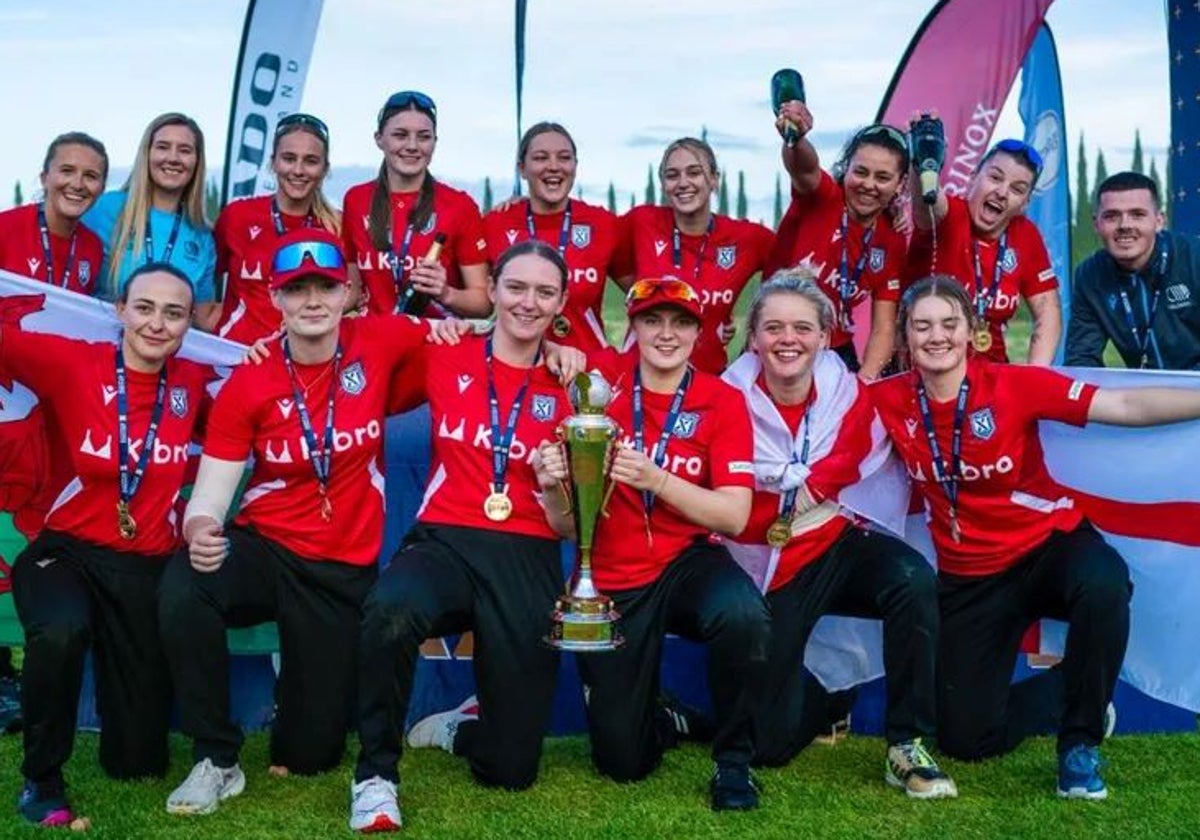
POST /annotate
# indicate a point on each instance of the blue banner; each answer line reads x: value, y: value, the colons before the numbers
x: 1183, y: 38
x: 1041, y: 109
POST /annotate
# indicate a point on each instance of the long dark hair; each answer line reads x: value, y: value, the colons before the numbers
x: 379, y: 222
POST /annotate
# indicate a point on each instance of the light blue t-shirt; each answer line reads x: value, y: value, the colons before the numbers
x: 195, y: 253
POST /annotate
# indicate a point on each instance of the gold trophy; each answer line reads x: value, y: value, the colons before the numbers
x: 583, y: 619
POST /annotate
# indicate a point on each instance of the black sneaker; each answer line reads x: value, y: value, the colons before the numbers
x: 680, y: 722
x: 733, y: 788
x: 44, y: 804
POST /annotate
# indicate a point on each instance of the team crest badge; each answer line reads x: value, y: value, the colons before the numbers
x: 686, y: 423
x: 726, y: 256
x: 543, y: 407
x: 430, y: 225
x: 85, y: 272
x: 1009, y: 260
x: 983, y: 424
x: 353, y: 379
x: 179, y: 402
x: 581, y: 235
x: 877, y: 258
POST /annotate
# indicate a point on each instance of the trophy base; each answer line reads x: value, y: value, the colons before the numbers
x: 584, y: 625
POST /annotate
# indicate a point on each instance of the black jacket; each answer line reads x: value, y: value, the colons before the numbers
x: 1098, y: 314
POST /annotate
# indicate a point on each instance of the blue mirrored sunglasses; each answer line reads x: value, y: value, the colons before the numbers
x: 320, y: 254
x: 406, y: 98
x: 317, y: 125
x: 1021, y: 149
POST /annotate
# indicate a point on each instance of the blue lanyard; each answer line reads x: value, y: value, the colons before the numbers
x: 564, y: 234
x: 277, y: 218
x: 659, y: 455
x: 983, y: 301
x: 947, y: 478
x: 47, y: 252
x: 677, y: 248
x: 321, y: 458
x: 402, y: 296
x: 502, y: 438
x: 129, y: 484
x: 847, y: 282
x: 149, y: 250
x: 1142, y: 341
x: 787, y: 506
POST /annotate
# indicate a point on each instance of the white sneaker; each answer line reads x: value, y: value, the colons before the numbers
x: 205, y: 787
x: 1110, y: 720
x: 374, y: 806
x: 439, y: 730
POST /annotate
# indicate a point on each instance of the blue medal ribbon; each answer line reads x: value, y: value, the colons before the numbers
x: 277, y: 218
x: 983, y: 300
x: 564, y: 234
x: 659, y: 453
x: 48, y: 253
x: 502, y: 437
x: 847, y: 282
x: 677, y: 248
x: 129, y: 483
x: 149, y: 236
x: 1142, y: 340
x: 322, y: 459
x: 787, y: 505
x: 947, y: 478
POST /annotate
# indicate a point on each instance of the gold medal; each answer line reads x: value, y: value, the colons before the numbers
x: 780, y: 532
x: 982, y: 340
x: 326, y: 508
x: 497, y: 506
x: 561, y: 327
x: 955, y: 531
x: 126, y: 526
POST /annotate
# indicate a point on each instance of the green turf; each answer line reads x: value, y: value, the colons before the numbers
x: 827, y: 792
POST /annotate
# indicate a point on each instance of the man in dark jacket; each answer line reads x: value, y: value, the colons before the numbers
x: 1142, y: 292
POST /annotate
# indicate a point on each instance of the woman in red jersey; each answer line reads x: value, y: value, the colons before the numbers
x: 391, y: 223
x: 248, y: 229
x: 838, y: 226
x: 45, y: 240
x: 484, y: 554
x: 716, y: 255
x: 822, y: 474
x: 1012, y: 546
x: 584, y: 235
x: 301, y: 550
x: 982, y: 239
x: 125, y: 418
x: 682, y: 473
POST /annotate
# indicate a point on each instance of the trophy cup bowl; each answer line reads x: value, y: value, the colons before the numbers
x: 583, y: 619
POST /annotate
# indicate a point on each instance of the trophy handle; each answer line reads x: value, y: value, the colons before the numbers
x: 612, y: 485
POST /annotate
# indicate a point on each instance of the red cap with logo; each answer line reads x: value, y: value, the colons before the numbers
x: 665, y: 291
x: 307, y: 252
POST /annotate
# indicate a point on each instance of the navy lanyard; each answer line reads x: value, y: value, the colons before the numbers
x: 405, y: 295
x: 848, y: 283
x: 48, y: 254
x: 502, y: 438
x: 948, y: 479
x: 564, y: 234
x: 659, y: 455
x: 677, y: 248
x: 788, y: 505
x: 277, y: 218
x: 983, y: 301
x: 129, y: 484
x: 166, y: 257
x: 321, y: 458
x: 1142, y: 341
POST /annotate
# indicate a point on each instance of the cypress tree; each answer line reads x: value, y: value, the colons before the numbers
x: 18, y: 195
x: 723, y: 197
x: 488, y: 198
x: 650, y: 199
x: 1084, y: 234
x: 1138, y: 164
x: 778, y: 199
x: 612, y: 198
x: 742, y: 205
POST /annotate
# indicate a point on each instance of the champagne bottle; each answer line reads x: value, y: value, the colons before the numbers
x: 787, y: 86
x: 927, y: 149
x: 413, y: 302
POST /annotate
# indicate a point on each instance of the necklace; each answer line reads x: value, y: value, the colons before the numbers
x: 305, y: 387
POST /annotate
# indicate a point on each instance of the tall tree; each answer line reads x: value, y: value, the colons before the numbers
x: 488, y: 198
x: 742, y: 205
x: 650, y: 199
x: 18, y: 195
x: 778, y: 199
x: 612, y: 198
x: 1101, y: 167
x: 1156, y: 179
x: 1083, y: 235
x: 1138, y: 164
x: 632, y: 201
x: 723, y: 196
x: 212, y: 199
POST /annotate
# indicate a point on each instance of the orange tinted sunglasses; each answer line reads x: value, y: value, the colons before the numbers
x: 668, y: 288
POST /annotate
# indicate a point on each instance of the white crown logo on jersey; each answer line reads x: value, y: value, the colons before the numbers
x: 354, y: 379
x: 285, y: 407
x: 179, y: 402
x: 89, y: 448
x: 255, y: 230
x: 457, y: 433
x: 283, y: 456
x: 252, y: 273
x: 581, y: 235
x: 16, y: 403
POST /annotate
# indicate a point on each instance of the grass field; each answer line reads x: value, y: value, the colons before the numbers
x: 837, y: 791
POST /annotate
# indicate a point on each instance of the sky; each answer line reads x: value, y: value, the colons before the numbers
x: 625, y: 76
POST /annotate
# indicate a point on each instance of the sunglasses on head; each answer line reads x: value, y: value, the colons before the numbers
x: 308, y: 120
x: 406, y: 99
x: 880, y: 131
x: 1020, y: 149
x: 668, y: 288
x: 319, y: 254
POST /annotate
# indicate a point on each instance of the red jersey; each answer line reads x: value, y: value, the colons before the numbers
x: 810, y: 235
x: 246, y: 235
x: 77, y: 382
x: 717, y: 264
x: 1025, y: 270
x: 460, y: 476
x: 1008, y: 504
x: 827, y: 478
x: 454, y: 214
x: 590, y: 243
x: 256, y: 414
x: 712, y: 446
x: 21, y: 251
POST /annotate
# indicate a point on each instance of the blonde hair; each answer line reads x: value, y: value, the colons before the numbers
x: 322, y: 209
x: 131, y: 223
x: 696, y: 146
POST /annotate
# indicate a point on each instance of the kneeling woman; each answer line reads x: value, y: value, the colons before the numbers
x: 685, y: 474
x: 815, y: 435
x: 302, y: 549
x: 124, y: 418
x: 1012, y: 546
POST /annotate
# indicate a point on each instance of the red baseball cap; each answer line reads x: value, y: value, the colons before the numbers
x: 307, y: 252
x: 665, y: 291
